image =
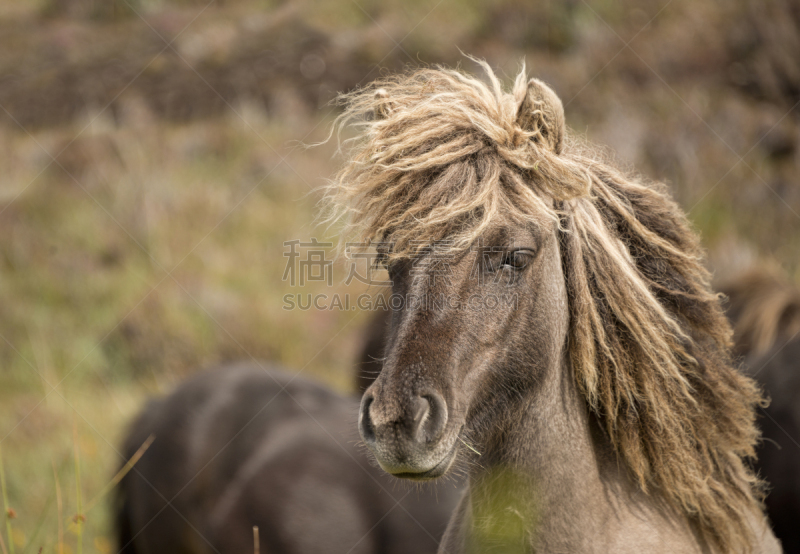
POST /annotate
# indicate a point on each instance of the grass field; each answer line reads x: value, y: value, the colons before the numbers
x: 142, y: 225
x: 167, y: 258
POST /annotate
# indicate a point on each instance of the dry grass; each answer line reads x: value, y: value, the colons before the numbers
x: 87, y: 298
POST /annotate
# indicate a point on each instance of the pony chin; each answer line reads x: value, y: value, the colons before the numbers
x: 438, y: 470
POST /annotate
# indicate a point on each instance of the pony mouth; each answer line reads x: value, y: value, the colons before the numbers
x: 436, y: 471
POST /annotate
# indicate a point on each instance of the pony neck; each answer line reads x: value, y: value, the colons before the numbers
x: 557, y: 485
x: 548, y: 473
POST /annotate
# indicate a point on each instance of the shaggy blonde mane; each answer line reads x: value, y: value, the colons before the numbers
x: 443, y: 155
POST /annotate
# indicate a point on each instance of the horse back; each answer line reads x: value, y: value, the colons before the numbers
x: 240, y: 446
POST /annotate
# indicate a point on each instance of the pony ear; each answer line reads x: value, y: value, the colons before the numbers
x: 541, y: 111
x: 383, y: 106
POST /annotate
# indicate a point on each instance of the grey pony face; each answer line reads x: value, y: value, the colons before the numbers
x: 471, y: 331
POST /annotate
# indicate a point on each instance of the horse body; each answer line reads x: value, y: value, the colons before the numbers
x: 572, y: 357
x: 241, y: 446
x: 764, y: 308
x: 778, y: 370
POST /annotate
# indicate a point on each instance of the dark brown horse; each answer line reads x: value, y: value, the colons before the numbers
x: 241, y: 446
x: 557, y: 336
x: 764, y: 308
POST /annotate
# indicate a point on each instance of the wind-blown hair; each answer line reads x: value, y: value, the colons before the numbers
x: 445, y: 155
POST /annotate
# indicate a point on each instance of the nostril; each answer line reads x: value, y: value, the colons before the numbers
x: 429, y: 417
x: 420, y: 410
x: 365, y: 427
x: 437, y: 420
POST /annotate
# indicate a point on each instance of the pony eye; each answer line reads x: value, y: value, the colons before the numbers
x: 516, y: 259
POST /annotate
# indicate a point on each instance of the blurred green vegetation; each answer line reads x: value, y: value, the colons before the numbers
x: 163, y: 258
x: 153, y: 245
x: 500, y: 512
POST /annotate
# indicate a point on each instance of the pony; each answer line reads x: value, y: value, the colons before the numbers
x: 555, y: 335
x: 250, y: 445
x: 764, y: 308
x: 370, y: 358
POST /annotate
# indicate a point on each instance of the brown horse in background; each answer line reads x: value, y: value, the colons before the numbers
x: 764, y: 308
x: 572, y: 357
x: 242, y: 446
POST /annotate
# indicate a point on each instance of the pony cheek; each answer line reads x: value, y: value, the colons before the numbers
x: 476, y: 377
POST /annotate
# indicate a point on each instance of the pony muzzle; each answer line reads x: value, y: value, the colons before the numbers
x: 407, y: 439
